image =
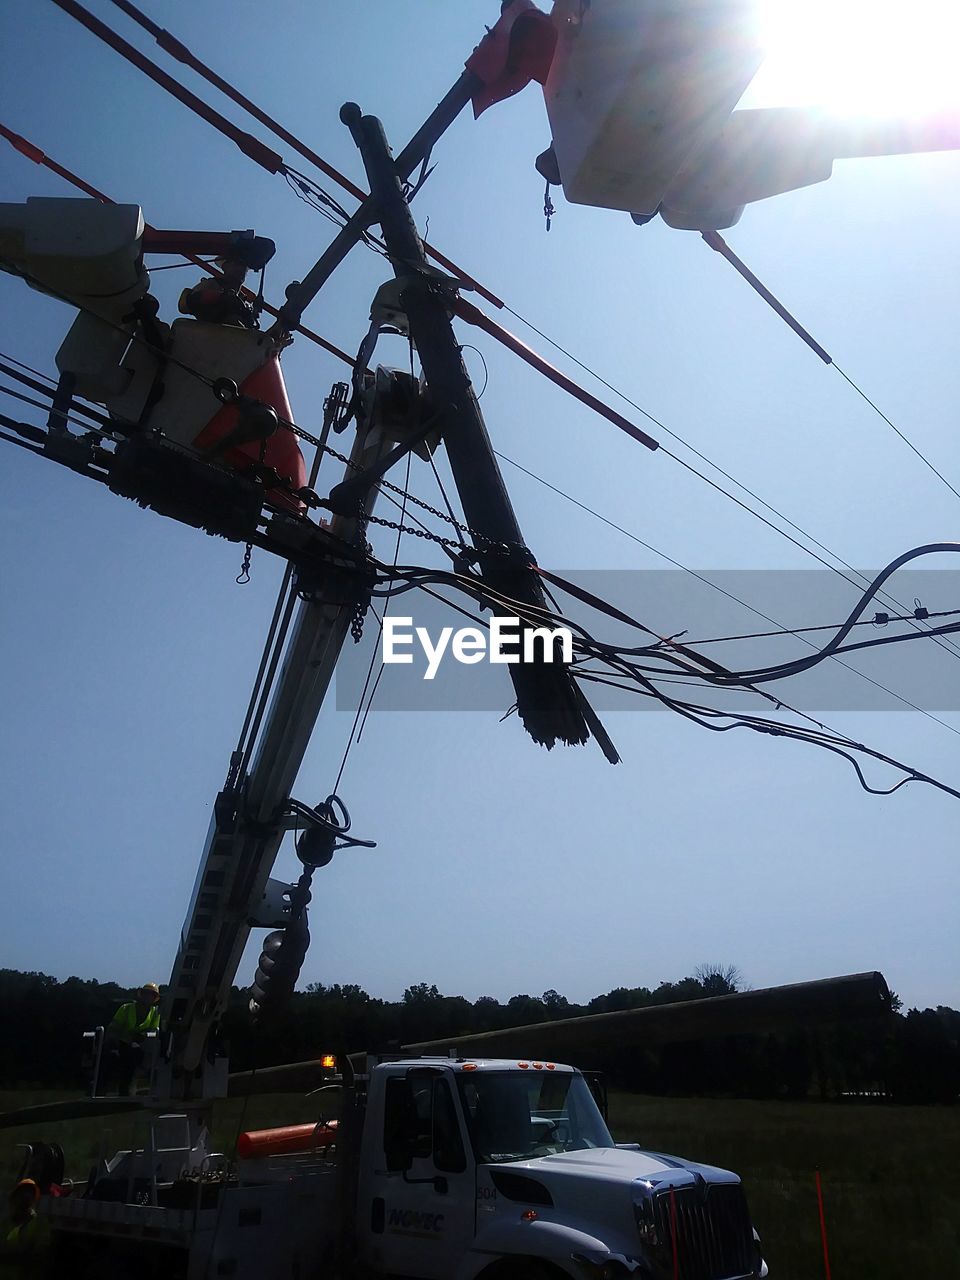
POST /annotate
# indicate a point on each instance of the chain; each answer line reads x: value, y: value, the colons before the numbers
x: 243, y: 577
x: 419, y: 533
x: 356, y: 622
x: 503, y: 548
x: 360, y: 612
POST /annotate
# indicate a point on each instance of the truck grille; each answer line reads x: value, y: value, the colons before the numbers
x: 713, y: 1233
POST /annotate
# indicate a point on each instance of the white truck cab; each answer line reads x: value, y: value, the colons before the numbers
x: 505, y: 1168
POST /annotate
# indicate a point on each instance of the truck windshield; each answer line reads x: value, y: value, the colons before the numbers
x: 515, y: 1115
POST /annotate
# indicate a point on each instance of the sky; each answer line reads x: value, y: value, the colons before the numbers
x: 127, y: 650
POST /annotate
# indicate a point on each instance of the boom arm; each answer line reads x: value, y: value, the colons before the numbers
x: 231, y: 892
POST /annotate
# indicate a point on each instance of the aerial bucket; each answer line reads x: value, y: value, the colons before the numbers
x: 190, y: 413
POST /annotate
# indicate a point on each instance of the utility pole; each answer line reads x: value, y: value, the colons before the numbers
x: 549, y: 701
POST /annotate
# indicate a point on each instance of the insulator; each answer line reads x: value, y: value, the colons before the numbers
x: 281, y: 960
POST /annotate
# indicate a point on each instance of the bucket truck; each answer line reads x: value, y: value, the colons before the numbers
x: 450, y: 1162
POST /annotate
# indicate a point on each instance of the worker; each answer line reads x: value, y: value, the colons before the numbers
x: 127, y: 1032
x: 24, y: 1237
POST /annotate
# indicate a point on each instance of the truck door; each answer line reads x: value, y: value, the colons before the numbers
x: 422, y: 1215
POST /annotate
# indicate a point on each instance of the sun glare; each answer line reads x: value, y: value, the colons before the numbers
x: 877, y: 57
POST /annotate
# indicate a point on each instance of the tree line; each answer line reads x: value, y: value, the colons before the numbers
x: 906, y: 1057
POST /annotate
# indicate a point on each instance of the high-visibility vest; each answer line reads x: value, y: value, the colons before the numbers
x: 23, y: 1241
x: 125, y: 1021
x: 25, y: 1235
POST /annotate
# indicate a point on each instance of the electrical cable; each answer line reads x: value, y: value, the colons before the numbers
x: 39, y: 404
x: 34, y: 153
x: 178, y: 266
x: 834, y: 645
x: 276, y: 638
x: 657, y: 422
x: 396, y: 556
x: 756, y: 635
x: 701, y: 578
x: 52, y: 392
x: 20, y: 428
x: 356, y: 718
x: 820, y: 736
x: 593, y: 373
x: 314, y: 440
x: 717, y: 243
x: 710, y: 672
x: 356, y: 729
x: 906, y: 440
x: 266, y: 671
x: 714, y: 675
x: 883, y: 621
x: 28, y: 368
x: 702, y: 715
x: 443, y: 494
x: 272, y: 162
x: 468, y: 346
x: 249, y: 145
x: 696, y: 472
x: 836, y: 745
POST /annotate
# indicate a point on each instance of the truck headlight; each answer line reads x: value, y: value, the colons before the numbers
x: 646, y: 1222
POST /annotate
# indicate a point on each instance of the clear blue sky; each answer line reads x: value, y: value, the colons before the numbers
x: 128, y: 651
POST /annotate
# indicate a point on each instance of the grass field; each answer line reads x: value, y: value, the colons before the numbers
x: 890, y: 1175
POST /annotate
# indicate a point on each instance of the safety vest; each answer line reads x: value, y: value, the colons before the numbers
x: 23, y: 1249
x: 29, y: 1236
x: 125, y: 1020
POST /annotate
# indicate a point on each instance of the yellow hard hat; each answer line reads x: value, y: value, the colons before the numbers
x: 153, y: 989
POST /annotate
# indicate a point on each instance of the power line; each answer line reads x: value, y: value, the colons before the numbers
x: 717, y: 243
x: 593, y: 373
x: 63, y: 417
x: 253, y: 149
x: 312, y: 439
x: 726, y: 474
x: 879, y: 621
x: 708, y: 717
x: 360, y: 719
x: 28, y: 368
x: 707, y: 582
x: 386, y: 605
x: 259, y: 153
x: 908, y: 442
x: 273, y: 163
x: 37, y: 156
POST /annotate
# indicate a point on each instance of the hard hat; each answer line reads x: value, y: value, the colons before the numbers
x: 153, y: 989
x: 28, y: 1183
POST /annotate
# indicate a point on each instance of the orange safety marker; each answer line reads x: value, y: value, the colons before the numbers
x: 823, y: 1225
